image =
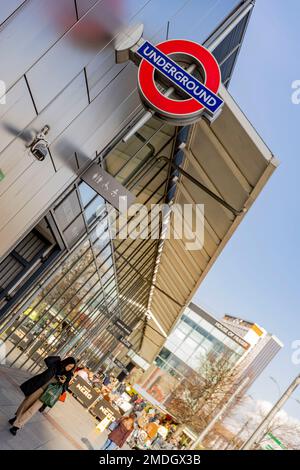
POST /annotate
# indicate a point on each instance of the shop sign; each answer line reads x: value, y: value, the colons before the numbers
x: 84, y: 392
x: 108, y: 187
x: 103, y: 409
x: 126, y: 330
x: 273, y: 443
x: 121, y: 366
x: 197, y: 97
x: 125, y: 342
x: 231, y: 334
x: 120, y: 338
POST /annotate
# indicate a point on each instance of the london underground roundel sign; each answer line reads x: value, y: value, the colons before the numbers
x: 197, y: 97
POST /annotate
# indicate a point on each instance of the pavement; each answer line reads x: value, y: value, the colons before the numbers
x: 67, y: 426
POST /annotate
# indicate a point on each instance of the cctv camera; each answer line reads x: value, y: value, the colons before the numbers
x: 39, y: 147
x: 40, y: 150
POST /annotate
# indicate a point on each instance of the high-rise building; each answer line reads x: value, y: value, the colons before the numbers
x: 198, y: 336
x: 264, y: 346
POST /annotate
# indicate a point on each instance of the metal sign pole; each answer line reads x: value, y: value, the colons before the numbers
x: 272, y: 413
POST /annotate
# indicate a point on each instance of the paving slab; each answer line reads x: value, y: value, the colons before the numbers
x: 67, y: 425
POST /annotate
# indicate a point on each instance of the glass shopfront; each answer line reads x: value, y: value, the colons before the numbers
x: 92, y: 285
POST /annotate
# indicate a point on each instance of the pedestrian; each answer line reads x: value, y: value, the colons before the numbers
x: 58, y: 372
x: 143, y: 419
x: 106, y: 380
x: 121, y: 388
x: 152, y: 428
x: 120, y: 434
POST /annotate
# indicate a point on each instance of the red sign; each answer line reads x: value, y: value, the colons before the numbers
x: 186, y: 51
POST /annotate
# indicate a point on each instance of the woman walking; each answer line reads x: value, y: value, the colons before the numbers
x: 118, y: 437
x: 58, y: 372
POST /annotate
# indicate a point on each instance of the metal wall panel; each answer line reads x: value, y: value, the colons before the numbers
x: 120, y: 105
x: 81, y: 135
x: 41, y: 198
x: 58, y: 115
x: 15, y: 113
x: 14, y: 161
x: 24, y: 188
x: 84, y: 5
x: 62, y: 111
x: 74, y: 51
x: 102, y: 69
x: 31, y: 32
x: 231, y: 41
x: 7, y: 8
x: 74, y: 231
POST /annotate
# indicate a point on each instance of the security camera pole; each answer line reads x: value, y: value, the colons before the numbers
x: 265, y: 422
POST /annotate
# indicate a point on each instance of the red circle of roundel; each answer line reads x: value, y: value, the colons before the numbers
x: 168, y: 105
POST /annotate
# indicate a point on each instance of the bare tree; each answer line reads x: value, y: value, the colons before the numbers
x: 197, y: 398
x: 245, y: 418
x: 286, y: 429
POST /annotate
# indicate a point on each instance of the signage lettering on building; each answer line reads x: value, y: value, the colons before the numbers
x: 232, y: 335
x: 103, y: 410
x: 197, y: 97
x: 125, y: 342
x: 120, y: 337
x: 123, y: 327
x: 83, y: 392
x: 108, y: 187
x: 272, y: 442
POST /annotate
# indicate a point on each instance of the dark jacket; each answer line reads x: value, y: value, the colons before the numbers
x: 54, y: 368
x: 120, y: 434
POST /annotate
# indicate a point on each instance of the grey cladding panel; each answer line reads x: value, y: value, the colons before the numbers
x: 24, y: 188
x: 74, y: 231
x: 227, y: 66
x: 79, y: 136
x: 76, y: 49
x: 7, y: 8
x: 58, y: 115
x: 102, y: 69
x: 67, y: 210
x: 84, y: 5
x: 30, y: 33
x: 62, y: 111
x: 16, y: 113
x: 13, y: 162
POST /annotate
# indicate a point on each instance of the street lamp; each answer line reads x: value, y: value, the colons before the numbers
x: 276, y: 383
x: 279, y: 389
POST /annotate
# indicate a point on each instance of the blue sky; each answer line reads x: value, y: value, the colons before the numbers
x: 257, y: 276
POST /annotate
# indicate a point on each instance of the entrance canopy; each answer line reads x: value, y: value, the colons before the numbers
x: 230, y: 159
x: 145, y: 281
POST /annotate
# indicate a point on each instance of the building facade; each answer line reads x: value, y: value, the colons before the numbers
x: 199, y: 337
x: 64, y: 280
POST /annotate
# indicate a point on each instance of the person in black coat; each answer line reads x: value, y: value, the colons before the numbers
x: 58, y: 371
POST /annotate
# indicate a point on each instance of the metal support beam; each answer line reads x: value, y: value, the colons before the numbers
x: 204, y: 188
